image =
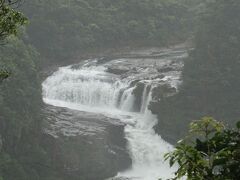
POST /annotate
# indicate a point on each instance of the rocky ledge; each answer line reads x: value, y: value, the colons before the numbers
x: 85, y: 146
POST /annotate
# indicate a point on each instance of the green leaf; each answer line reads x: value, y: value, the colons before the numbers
x: 238, y: 124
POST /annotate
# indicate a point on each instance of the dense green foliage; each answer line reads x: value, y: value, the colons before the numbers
x: 211, y: 83
x: 213, y: 155
x: 63, y: 29
x: 21, y: 155
x: 10, y: 20
x: 4, y: 74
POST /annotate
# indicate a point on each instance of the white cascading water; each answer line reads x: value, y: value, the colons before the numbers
x: 93, y: 89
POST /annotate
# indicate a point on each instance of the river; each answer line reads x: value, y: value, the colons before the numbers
x: 122, y: 88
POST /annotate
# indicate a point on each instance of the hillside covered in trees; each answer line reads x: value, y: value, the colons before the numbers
x: 211, y: 73
x: 63, y: 29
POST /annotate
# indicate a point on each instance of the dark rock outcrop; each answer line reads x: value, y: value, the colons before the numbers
x: 85, y: 146
x: 117, y: 70
x: 138, y: 93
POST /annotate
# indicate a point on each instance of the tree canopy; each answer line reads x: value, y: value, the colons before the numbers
x: 211, y: 73
x: 209, y: 152
x: 10, y: 20
x: 63, y: 29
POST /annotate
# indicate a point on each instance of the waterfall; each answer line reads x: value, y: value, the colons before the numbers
x: 127, y: 100
x: 89, y: 87
x: 92, y: 87
x: 146, y: 96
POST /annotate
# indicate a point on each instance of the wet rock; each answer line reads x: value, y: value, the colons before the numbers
x: 76, y: 66
x: 85, y: 146
x: 162, y: 91
x: 104, y: 60
x: 165, y: 69
x: 160, y: 76
x: 138, y: 92
x: 133, y: 83
x: 117, y: 70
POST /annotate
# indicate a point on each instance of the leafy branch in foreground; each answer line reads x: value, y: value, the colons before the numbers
x: 210, y: 152
x: 10, y: 21
x: 4, y: 74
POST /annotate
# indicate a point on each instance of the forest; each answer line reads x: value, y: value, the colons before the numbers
x: 38, y: 35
